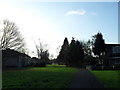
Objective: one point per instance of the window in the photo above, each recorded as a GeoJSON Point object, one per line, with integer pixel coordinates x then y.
{"type": "Point", "coordinates": [116, 49]}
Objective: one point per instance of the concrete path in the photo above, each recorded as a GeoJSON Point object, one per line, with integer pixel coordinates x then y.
{"type": "Point", "coordinates": [85, 79]}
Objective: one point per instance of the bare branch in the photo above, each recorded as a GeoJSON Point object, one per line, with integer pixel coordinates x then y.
{"type": "Point", "coordinates": [10, 36]}
{"type": "Point", "coordinates": [41, 50]}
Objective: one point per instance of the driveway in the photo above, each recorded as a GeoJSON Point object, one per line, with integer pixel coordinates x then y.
{"type": "Point", "coordinates": [85, 79]}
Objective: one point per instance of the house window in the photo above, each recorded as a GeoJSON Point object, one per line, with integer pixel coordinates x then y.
{"type": "Point", "coordinates": [116, 49]}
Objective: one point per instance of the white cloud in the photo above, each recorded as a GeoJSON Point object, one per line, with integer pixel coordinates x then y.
{"type": "Point", "coordinates": [76, 12]}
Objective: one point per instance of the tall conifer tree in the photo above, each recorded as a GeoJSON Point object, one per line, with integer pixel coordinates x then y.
{"type": "Point", "coordinates": [63, 55]}
{"type": "Point", "coordinates": [99, 45]}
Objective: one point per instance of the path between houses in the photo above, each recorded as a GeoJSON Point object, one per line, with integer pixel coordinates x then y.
{"type": "Point", "coordinates": [85, 79]}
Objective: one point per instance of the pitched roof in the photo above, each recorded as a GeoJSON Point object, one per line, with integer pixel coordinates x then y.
{"type": "Point", "coordinates": [11, 52]}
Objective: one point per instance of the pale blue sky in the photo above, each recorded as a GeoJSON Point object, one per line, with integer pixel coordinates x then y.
{"type": "Point", "coordinates": [53, 21]}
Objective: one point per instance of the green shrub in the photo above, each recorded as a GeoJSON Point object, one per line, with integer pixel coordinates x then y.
{"type": "Point", "coordinates": [42, 64]}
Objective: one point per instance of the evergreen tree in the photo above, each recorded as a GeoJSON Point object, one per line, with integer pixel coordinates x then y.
{"type": "Point", "coordinates": [99, 45]}
{"type": "Point", "coordinates": [76, 54]}
{"type": "Point", "coordinates": [71, 52]}
{"type": "Point", "coordinates": [71, 55]}
{"type": "Point", "coordinates": [63, 55]}
{"type": "Point", "coordinates": [87, 47]}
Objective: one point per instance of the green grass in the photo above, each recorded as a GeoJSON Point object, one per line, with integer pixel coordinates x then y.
{"type": "Point", "coordinates": [53, 76]}
{"type": "Point", "coordinates": [56, 65]}
{"type": "Point", "coordinates": [111, 79]}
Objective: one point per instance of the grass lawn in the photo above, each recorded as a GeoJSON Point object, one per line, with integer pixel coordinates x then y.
{"type": "Point", "coordinates": [111, 79]}
{"type": "Point", "coordinates": [39, 77]}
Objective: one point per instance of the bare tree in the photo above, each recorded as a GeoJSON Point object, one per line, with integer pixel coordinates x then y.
{"type": "Point", "coordinates": [10, 37]}
{"type": "Point", "coordinates": [58, 49]}
{"type": "Point", "coordinates": [42, 51]}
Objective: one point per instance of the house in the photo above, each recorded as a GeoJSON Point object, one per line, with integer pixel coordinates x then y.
{"type": "Point", "coordinates": [53, 61]}
{"type": "Point", "coordinates": [12, 58]}
{"type": "Point", "coordinates": [35, 60]}
{"type": "Point", "coordinates": [26, 60]}
{"type": "Point", "coordinates": [112, 55]}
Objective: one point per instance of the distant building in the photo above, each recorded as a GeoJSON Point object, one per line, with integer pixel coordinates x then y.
{"type": "Point", "coordinates": [54, 61]}
{"type": "Point", "coordinates": [35, 60]}
{"type": "Point", "coordinates": [12, 58]}
{"type": "Point", "coordinates": [112, 55]}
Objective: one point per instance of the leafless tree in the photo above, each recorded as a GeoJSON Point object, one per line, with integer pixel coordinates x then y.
{"type": "Point", "coordinates": [58, 49]}
{"type": "Point", "coordinates": [42, 51]}
{"type": "Point", "coordinates": [10, 37]}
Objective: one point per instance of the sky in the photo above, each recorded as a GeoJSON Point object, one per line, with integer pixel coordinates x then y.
{"type": "Point", "coordinates": [51, 22]}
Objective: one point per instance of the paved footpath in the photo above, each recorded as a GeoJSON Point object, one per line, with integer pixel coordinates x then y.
{"type": "Point", "coordinates": [85, 79]}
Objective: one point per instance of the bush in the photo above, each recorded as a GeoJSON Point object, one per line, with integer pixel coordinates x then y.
{"type": "Point", "coordinates": [42, 64]}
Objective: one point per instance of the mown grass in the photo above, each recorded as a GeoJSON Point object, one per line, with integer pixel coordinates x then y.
{"type": "Point", "coordinates": [110, 78]}
{"type": "Point", "coordinates": [39, 77]}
